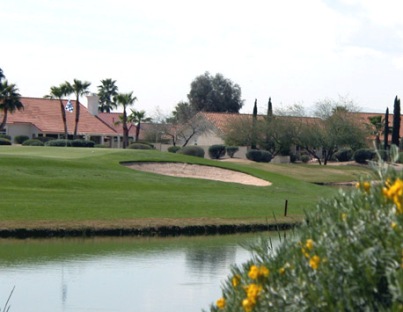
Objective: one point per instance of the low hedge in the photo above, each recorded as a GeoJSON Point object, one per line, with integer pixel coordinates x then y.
{"type": "Point", "coordinates": [231, 150]}
{"type": "Point", "coordinates": [344, 155]}
{"type": "Point", "coordinates": [259, 156]}
{"type": "Point", "coordinates": [19, 139]}
{"type": "Point", "coordinates": [33, 142]}
{"type": "Point", "coordinates": [82, 143]}
{"type": "Point", "coordinates": [58, 143]}
{"type": "Point", "coordinates": [5, 136]}
{"type": "Point", "coordinates": [192, 151]}
{"type": "Point", "coordinates": [4, 141]}
{"type": "Point", "coordinates": [173, 149]}
{"type": "Point", "coordinates": [140, 146]}
{"type": "Point", "coordinates": [362, 156]}
{"type": "Point", "coordinates": [216, 151]}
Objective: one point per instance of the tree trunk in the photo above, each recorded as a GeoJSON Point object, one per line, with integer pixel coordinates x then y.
{"type": "Point", "coordinates": [77, 118]}
{"type": "Point", "coordinates": [3, 123]}
{"type": "Point", "coordinates": [63, 111]}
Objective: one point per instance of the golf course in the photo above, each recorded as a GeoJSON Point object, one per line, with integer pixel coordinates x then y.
{"type": "Point", "coordinates": [53, 188]}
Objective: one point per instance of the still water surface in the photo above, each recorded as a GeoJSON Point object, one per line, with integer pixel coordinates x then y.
{"type": "Point", "coordinates": [119, 274]}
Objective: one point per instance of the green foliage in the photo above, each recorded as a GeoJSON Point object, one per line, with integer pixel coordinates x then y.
{"type": "Point", "coordinates": [82, 143]}
{"type": "Point", "coordinates": [192, 151]}
{"type": "Point", "coordinates": [5, 136]}
{"type": "Point", "coordinates": [19, 139]}
{"type": "Point", "coordinates": [400, 159]}
{"type": "Point", "coordinates": [345, 154]}
{"type": "Point", "coordinates": [231, 150]}
{"type": "Point", "coordinates": [33, 142]}
{"type": "Point", "coordinates": [173, 149]}
{"type": "Point", "coordinates": [363, 155]}
{"type": "Point", "coordinates": [346, 257]}
{"type": "Point", "coordinates": [305, 158]}
{"type": "Point", "coordinates": [58, 143]}
{"type": "Point", "coordinates": [5, 141]}
{"type": "Point", "coordinates": [259, 156]}
{"type": "Point", "coordinates": [216, 151]}
{"type": "Point", "coordinates": [142, 146]}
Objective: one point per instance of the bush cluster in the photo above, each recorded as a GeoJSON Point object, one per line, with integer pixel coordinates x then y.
{"type": "Point", "coordinates": [192, 151]}
{"type": "Point", "coordinates": [19, 139]}
{"type": "Point", "coordinates": [173, 149]}
{"type": "Point", "coordinates": [216, 151]}
{"type": "Point", "coordinates": [259, 155]}
{"type": "Point", "coordinates": [344, 155]}
{"type": "Point", "coordinates": [4, 141]}
{"type": "Point", "coordinates": [362, 156]}
{"type": "Point", "coordinates": [33, 142]}
{"type": "Point", "coordinates": [347, 256]}
{"type": "Point", "coordinates": [231, 150]}
{"type": "Point", "coordinates": [82, 143]}
{"type": "Point", "coordinates": [5, 136]}
{"type": "Point", "coordinates": [142, 146]}
{"type": "Point", "coordinates": [58, 143]}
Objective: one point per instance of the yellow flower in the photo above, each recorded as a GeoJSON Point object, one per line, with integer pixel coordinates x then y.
{"type": "Point", "coordinates": [263, 271]}
{"type": "Point", "coordinates": [314, 262]}
{"type": "Point", "coordinates": [281, 270]}
{"type": "Point", "coordinates": [365, 186]}
{"type": "Point", "coordinates": [394, 193]}
{"type": "Point", "coordinates": [236, 280]}
{"type": "Point", "coordinates": [221, 303]}
{"type": "Point", "coordinates": [247, 305]}
{"type": "Point", "coordinates": [393, 225]}
{"type": "Point", "coordinates": [309, 244]}
{"type": "Point", "coordinates": [252, 291]}
{"type": "Point", "coordinates": [344, 216]}
{"type": "Point", "coordinates": [253, 272]}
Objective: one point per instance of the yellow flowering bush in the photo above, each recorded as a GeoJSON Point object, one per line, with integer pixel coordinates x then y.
{"type": "Point", "coordinates": [347, 256]}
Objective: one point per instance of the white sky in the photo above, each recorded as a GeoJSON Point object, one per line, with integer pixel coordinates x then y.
{"type": "Point", "coordinates": [293, 51]}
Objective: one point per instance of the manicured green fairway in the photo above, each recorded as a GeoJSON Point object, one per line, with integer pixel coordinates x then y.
{"type": "Point", "coordinates": [77, 184]}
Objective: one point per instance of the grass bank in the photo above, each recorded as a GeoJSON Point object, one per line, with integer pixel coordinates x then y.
{"type": "Point", "coordinates": [48, 187]}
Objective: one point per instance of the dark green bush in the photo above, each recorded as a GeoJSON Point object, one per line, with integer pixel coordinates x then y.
{"type": "Point", "coordinates": [5, 141]}
{"type": "Point", "coordinates": [259, 156]}
{"type": "Point", "coordinates": [173, 149]}
{"type": "Point", "coordinates": [305, 158]}
{"type": "Point", "coordinates": [400, 159]}
{"type": "Point", "coordinates": [139, 146]}
{"type": "Point", "coordinates": [231, 150]}
{"type": "Point", "coordinates": [192, 151]}
{"type": "Point", "coordinates": [362, 156]}
{"type": "Point", "coordinates": [33, 142]}
{"type": "Point", "coordinates": [58, 143]}
{"type": "Point", "coordinates": [82, 143]}
{"type": "Point", "coordinates": [19, 139]}
{"type": "Point", "coordinates": [293, 158]}
{"type": "Point", "coordinates": [216, 151]}
{"type": "Point", "coordinates": [345, 154]}
{"type": "Point", "coordinates": [5, 136]}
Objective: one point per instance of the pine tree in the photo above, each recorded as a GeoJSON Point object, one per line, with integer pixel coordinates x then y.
{"type": "Point", "coordinates": [396, 122]}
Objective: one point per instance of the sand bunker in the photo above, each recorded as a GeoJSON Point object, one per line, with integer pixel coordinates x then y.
{"type": "Point", "coordinates": [198, 171]}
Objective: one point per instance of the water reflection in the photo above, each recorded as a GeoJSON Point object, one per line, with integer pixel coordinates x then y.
{"type": "Point", "coordinates": [118, 274]}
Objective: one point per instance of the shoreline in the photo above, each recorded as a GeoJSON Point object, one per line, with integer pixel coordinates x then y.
{"type": "Point", "coordinates": [161, 230]}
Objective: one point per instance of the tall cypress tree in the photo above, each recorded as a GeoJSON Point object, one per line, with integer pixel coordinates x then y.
{"type": "Point", "coordinates": [396, 122]}
{"type": "Point", "coordinates": [386, 131]}
{"type": "Point", "coordinates": [269, 108]}
{"type": "Point", "coordinates": [254, 120]}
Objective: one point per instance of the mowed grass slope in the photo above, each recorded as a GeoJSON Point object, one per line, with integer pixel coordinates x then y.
{"type": "Point", "coordinates": [78, 184]}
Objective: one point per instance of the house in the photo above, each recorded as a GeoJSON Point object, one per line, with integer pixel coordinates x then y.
{"type": "Point", "coordinates": [42, 118]}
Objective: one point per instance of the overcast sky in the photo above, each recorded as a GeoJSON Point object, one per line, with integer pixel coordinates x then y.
{"type": "Point", "coordinates": [293, 51]}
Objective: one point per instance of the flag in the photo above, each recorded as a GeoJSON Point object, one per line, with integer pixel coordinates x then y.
{"type": "Point", "coordinates": [69, 106]}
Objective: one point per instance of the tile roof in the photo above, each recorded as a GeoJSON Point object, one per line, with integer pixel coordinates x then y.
{"type": "Point", "coordinates": [45, 115]}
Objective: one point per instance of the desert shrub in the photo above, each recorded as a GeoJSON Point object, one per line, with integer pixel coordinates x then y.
{"type": "Point", "coordinates": [363, 155]}
{"type": "Point", "coordinates": [82, 143]}
{"type": "Point", "coordinates": [139, 146]}
{"type": "Point", "coordinates": [173, 149]}
{"type": "Point", "coordinates": [33, 142]}
{"type": "Point", "coordinates": [4, 141]}
{"type": "Point", "coordinates": [231, 150]}
{"type": "Point", "coordinates": [192, 151]}
{"type": "Point", "coordinates": [19, 139]}
{"type": "Point", "coordinates": [58, 143]}
{"type": "Point", "coordinates": [258, 155]}
{"type": "Point", "coordinates": [5, 136]}
{"type": "Point", "coordinates": [346, 256]}
{"type": "Point", "coordinates": [216, 151]}
{"type": "Point", "coordinates": [343, 155]}
{"type": "Point", "coordinates": [305, 158]}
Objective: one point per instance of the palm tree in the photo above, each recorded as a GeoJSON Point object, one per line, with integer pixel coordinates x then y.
{"type": "Point", "coordinates": [106, 92]}
{"type": "Point", "coordinates": [9, 100]}
{"type": "Point", "coordinates": [136, 118]}
{"type": "Point", "coordinates": [79, 88]}
{"type": "Point", "coordinates": [58, 93]}
{"type": "Point", "coordinates": [125, 99]}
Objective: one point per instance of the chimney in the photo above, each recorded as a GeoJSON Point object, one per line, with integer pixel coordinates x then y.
{"type": "Point", "coordinates": [92, 104]}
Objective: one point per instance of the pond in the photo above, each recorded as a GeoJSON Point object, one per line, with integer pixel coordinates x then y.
{"type": "Point", "coordinates": [119, 274]}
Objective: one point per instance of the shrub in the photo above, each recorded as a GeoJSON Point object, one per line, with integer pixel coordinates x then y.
{"type": "Point", "coordinates": [173, 149]}
{"type": "Point", "coordinates": [231, 150]}
{"type": "Point", "coordinates": [139, 146]}
{"type": "Point", "coordinates": [400, 159]}
{"type": "Point", "coordinates": [192, 151]}
{"type": "Point", "coordinates": [293, 158]}
{"type": "Point", "coordinates": [33, 142]}
{"type": "Point", "coordinates": [216, 151]}
{"type": "Point", "coordinates": [82, 143]}
{"type": "Point", "coordinates": [258, 155]}
{"type": "Point", "coordinates": [4, 141]}
{"type": "Point", "coordinates": [346, 256]}
{"type": "Point", "coordinates": [343, 155]}
{"type": "Point", "coordinates": [5, 136]}
{"type": "Point", "coordinates": [362, 156]}
{"type": "Point", "coordinates": [305, 158]}
{"type": "Point", "coordinates": [19, 139]}
{"type": "Point", "coordinates": [58, 143]}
